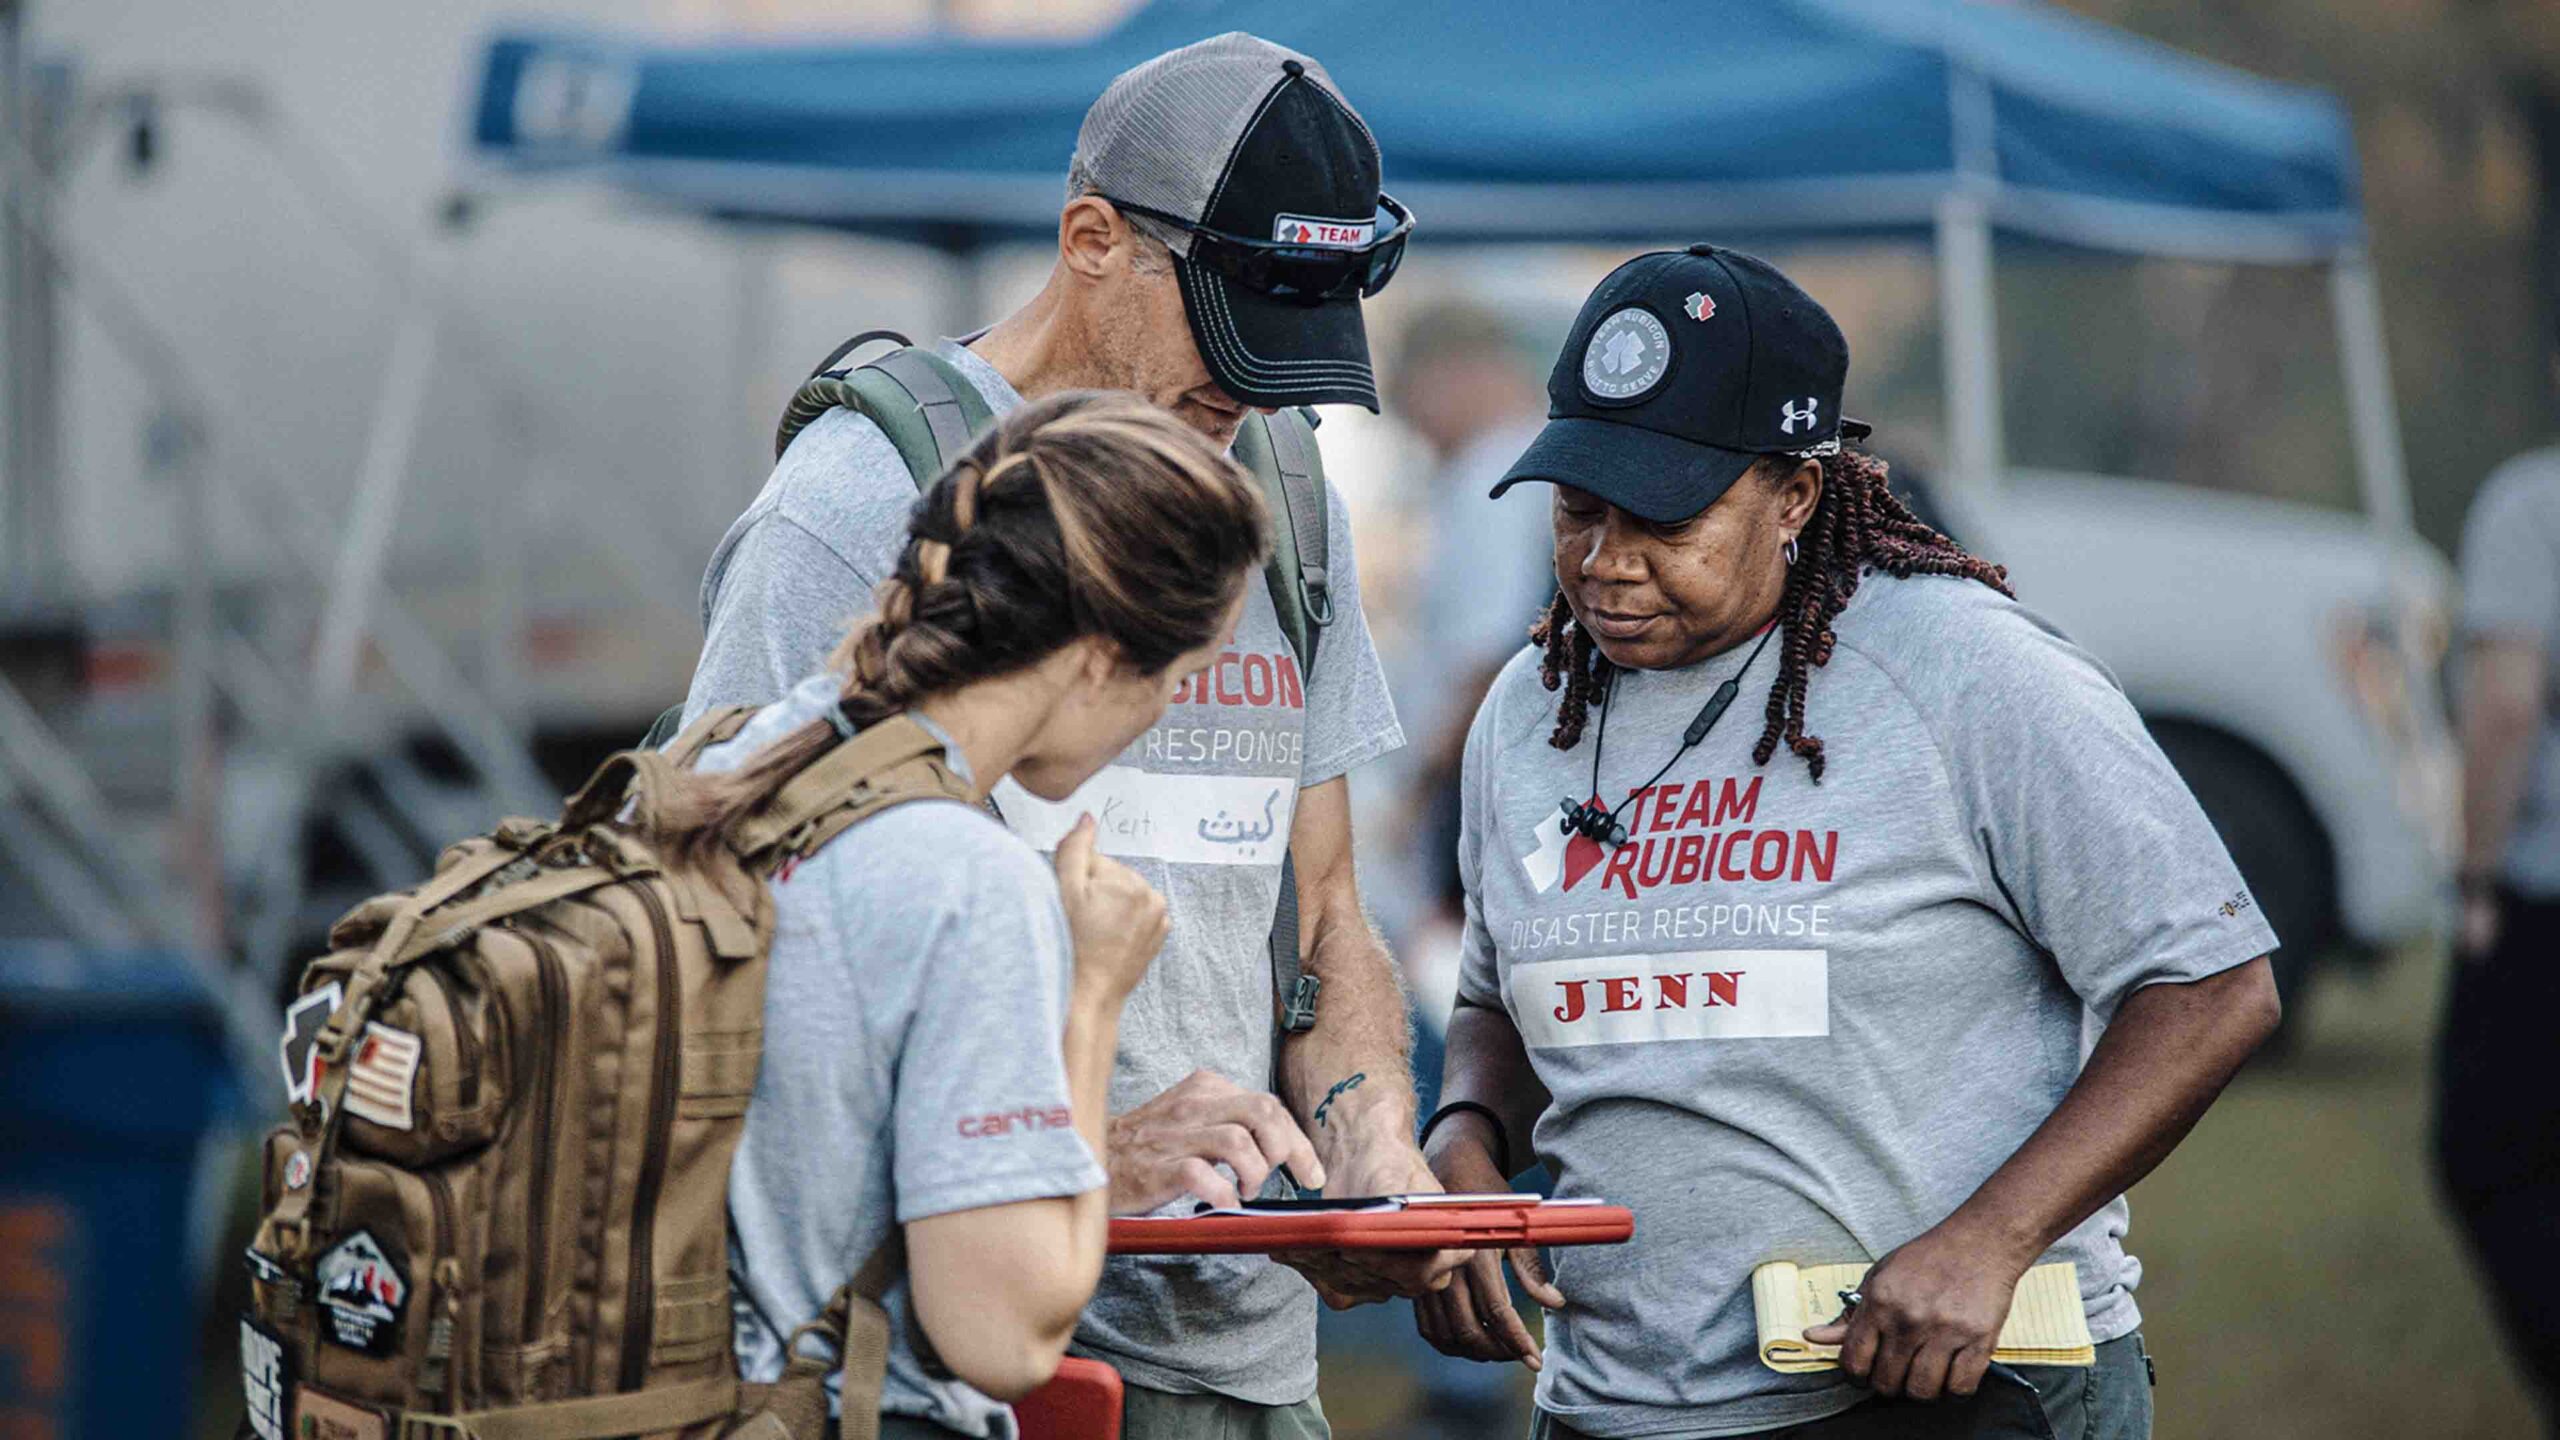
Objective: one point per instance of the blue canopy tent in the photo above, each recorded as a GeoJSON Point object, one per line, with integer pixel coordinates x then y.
{"type": "Point", "coordinates": [1645, 120]}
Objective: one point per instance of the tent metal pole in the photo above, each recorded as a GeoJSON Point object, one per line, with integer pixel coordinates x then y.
{"type": "Point", "coordinates": [32, 560]}
{"type": "Point", "coordinates": [177, 459]}
{"type": "Point", "coordinates": [1969, 343]}
{"type": "Point", "coordinates": [399, 408]}
{"type": "Point", "coordinates": [2373, 419]}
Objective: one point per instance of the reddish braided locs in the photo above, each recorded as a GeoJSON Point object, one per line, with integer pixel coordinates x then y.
{"type": "Point", "coordinates": [1859, 525]}
{"type": "Point", "coordinates": [1567, 652]}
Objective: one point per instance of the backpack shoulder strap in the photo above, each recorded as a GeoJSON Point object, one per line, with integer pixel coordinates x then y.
{"type": "Point", "coordinates": [718, 724]}
{"type": "Point", "coordinates": [889, 764]}
{"type": "Point", "coordinates": [1280, 451]}
{"type": "Point", "coordinates": [856, 1327]}
{"type": "Point", "coordinates": [928, 410]}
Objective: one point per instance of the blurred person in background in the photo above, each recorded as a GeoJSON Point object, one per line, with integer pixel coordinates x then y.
{"type": "Point", "coordinates": [2498, 1110]}
{"type": "Point", "coordinates": [1466, 382]}
{"type": "Point", "coordinates": [929, 973]}
{"type": "Point", "coordinates": [1171, 281]}
{"type": "Point", "coordinates": [1827, 1010]}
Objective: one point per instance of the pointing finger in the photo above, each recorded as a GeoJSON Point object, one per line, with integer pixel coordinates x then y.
{"type": "Point", "coordinates": [1075, 855]}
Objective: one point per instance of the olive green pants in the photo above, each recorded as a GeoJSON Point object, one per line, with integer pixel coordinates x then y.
{"type": "Point", "coordinates": [1157, 1415]}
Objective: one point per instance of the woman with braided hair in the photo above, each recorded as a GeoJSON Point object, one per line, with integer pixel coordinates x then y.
{"type": "Point", "coordinates": [1811, 991]}
{"type": "Point", "coordinates": [942, 1006]}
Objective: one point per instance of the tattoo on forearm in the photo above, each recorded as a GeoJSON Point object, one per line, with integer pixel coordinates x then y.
{"type": "Point", "coordinates": [1336, 1093]}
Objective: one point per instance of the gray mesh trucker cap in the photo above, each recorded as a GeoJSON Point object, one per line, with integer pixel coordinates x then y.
{"type": "Point", "coordinates": [1239, 135]}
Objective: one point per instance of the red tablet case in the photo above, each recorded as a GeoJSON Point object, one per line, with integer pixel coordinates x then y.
{"type": "Point", "coordinates": [1419, 1222]}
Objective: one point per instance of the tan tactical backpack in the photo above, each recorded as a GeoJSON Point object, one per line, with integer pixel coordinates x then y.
{"type": "Point", "coordinates": [500, 1210]}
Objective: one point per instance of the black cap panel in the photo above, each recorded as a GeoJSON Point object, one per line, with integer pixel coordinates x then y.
{"type": "Point", "coordinates": [1682, 368]}
{"type": "Point", "coordinates": [1305, 170]}
{"type": "Point", "coordinates": [1304, 159]}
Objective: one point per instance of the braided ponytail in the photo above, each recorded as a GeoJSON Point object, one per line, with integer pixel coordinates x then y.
{"type": "Point", "coordinates": [1081, 514]}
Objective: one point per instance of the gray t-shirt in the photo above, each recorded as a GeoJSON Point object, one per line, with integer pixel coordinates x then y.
{"type": "Point", "coordinates": [1200, 806]}
{"type": "Point", "coordinates": [2511, 586]}
{"type": "Point", "coordinates": [914, 1010]}
{"type": "Point", "coordinates": [1799, 1021]}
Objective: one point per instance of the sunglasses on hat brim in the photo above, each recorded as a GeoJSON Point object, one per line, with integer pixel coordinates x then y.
{"type": "Point", "coordinates": [1306, 274]}
{"type": "Point", "coordinates": [1851, 432]}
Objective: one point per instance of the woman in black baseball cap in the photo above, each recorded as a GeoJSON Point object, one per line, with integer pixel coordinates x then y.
{"type": "Point", "coordinates": [1825, 1010]}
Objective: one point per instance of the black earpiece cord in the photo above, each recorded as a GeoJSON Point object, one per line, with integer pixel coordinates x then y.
{"type": "Point", "coordinates": [1586, 817]}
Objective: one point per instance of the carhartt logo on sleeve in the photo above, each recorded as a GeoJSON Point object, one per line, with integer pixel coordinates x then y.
{"type": "Point", "coordinates": [1700, 995]}
{"type": "Point", "coordinates": [1006, 1122]}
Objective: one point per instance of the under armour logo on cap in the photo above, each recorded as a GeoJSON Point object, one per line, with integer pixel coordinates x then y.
{"type": "Point", "coordinates": [1795, 417]}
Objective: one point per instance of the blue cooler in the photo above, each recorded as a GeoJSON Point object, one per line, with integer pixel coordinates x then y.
{"type": "Point", "coordinates": [113, 1069]}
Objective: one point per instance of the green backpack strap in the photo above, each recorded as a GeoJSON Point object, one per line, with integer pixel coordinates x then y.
{"type": "Point", "coordinates": [1280, 451]}
{"type": "Point", "coordinates": [928, 410]}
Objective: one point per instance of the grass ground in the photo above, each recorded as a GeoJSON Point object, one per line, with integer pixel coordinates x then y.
{"type": "Point", "coordinates": [2299, 1277]}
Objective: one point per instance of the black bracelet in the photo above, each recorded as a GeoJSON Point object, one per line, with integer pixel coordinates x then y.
{"type": "Point", "coordinates": [1501, 1139]}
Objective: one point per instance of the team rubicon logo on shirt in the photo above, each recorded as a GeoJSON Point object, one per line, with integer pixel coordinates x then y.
{"type": "Point", "coordinates": [1681, 834]}
{"type": "Point", "coordinates": [1247, 678]}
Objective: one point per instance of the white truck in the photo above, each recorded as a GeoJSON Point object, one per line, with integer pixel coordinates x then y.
{"type": "Point", "coordinates": [2286, 658]}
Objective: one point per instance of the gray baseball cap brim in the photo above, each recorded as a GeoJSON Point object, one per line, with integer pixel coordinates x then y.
{"type": "Point", "coordinates": [1644, 472]}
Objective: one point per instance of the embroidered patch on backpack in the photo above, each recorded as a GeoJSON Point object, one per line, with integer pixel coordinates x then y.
{"type": "Point", "coordinates": [363, 1292]}
{"type": "Point", "coordinates": [266, 1379]}
{"type": "Point", "coordinates": [384, 1076]}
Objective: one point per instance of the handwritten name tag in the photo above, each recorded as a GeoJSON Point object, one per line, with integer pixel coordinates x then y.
{"type": "Point", "coordinates": [1179, 819]}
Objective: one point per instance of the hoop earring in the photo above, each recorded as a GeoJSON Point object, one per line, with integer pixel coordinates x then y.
{"type": "Point", "coordinates": [1791, 552]}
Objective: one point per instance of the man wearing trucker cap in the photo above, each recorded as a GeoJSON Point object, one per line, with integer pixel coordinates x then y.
{"type": "Point", "coordinates": [1224, 219]}
{"type": "Point", "coordinates": [1796, 856]}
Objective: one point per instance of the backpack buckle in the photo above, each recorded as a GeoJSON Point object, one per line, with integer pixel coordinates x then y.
{"type": "Point", "coordinates": [1298, 1013]}
{"type": "Point", "coordinates": [1317, 595]}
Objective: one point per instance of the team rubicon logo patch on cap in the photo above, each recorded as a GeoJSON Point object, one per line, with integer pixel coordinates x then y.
{"type": "Point", "coordinates": [1627, 355]}
{"type": "Point", "coordinates": [1323, 233]}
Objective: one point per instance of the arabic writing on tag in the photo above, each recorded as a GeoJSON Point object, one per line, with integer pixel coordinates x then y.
{"type": "Point", "coordinates": [1219, 830]}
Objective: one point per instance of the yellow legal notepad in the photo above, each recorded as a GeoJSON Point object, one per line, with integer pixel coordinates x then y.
{"type": "Point", "coordinates": [2046, 1325]}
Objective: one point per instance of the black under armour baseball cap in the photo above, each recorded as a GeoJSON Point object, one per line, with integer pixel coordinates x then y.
{"type": "Point", "coordinates": [1268, 182]}
{"type": "Point", "coordinates": [1683, 368]}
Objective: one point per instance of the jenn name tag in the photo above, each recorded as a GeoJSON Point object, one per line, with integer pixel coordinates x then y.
{"type": "Point", "coordinates": [1699, 995]}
